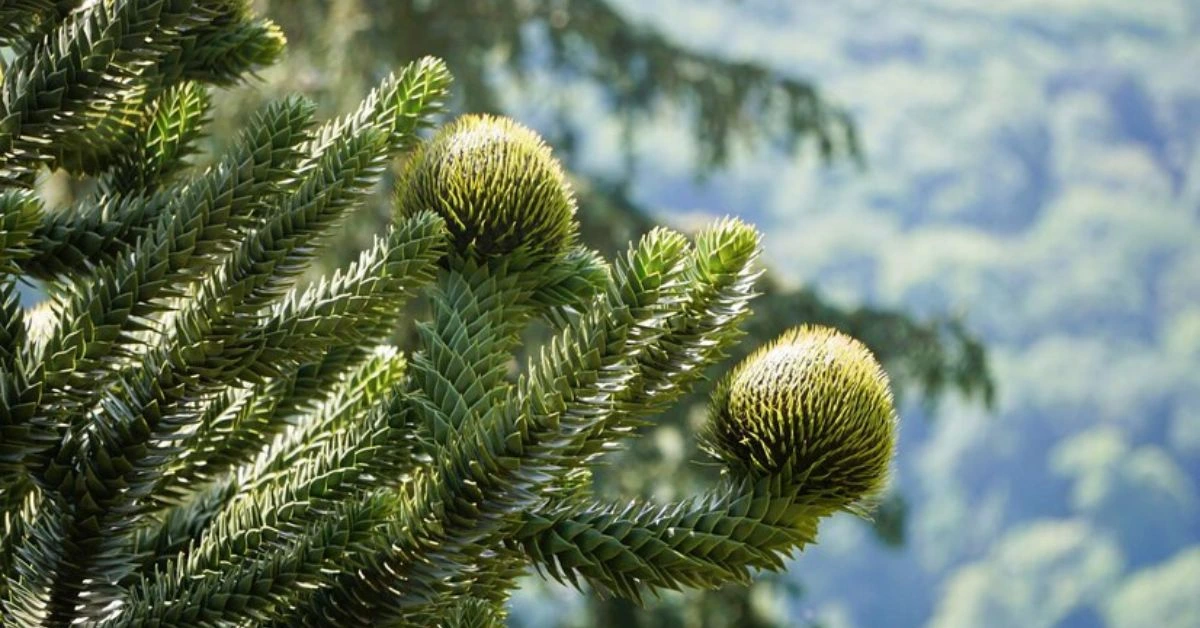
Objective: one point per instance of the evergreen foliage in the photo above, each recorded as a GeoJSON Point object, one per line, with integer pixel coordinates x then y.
{"type": "Point", "coordinates": [192, 437]}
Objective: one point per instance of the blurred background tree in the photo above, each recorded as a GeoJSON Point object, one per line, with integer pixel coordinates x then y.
{"type": "Point", "coordinates": [498, 51]}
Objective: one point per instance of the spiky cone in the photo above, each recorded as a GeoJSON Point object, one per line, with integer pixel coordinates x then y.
{"type": "Point", "coordinates": [498, 187]}
{"type": "Point", "coordinates": [813, 407]}
{"type": "Point", "coordinates": [510, 216]}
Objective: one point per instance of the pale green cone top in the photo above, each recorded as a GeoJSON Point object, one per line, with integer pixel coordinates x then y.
{"type": "Point", "coordinates": [496, 184]}
{"type": "Point", "coordinates": [815, 406]}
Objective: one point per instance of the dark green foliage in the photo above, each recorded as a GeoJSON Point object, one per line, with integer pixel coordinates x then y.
{"type": "Point", "coordinates": [172, 124]}
{"type": "Point", "coordinates": [99, 230]}
{"type": "Point", "coordinates": [639, 71]}
{"type": "Point", "coordinates": [20, 216]}
{"type": "Point", "coordinates": [192, 437]}
{"type": "Point", "coordinates": [702, 542]}
{"type": "Point", "coordinates": [20, 19]}
{"type": "Point", "coordinates": [75, 98]}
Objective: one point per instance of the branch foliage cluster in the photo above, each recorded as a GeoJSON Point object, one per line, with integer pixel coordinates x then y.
{"type": "Point", "coordinates": [192, 437]}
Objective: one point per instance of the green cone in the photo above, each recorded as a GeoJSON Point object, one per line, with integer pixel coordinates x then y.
{"type": "Point", "coordinates": [814, 406]}
{"type": "Point", "coordinates": [496, 184]}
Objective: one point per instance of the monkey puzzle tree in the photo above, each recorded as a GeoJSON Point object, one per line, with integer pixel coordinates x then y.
{"type": "Point", "coordinates": [191, 437]}
{"type": "Point", "coordinates": [496, 49]}
{"type": "Point", "coordinates": [500, 52]}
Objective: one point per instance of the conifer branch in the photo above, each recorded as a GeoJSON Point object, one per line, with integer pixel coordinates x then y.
{"type": "Point", "coordinates": [170, 532]}
{"type": "Point", "coordinates": [719, 284]}
{"type": "Point", "coordinates": [24, 431]}
{"type": "Point", "coordinates": [222, 51]}
{"type": "Point", "coordinates": [22, 20]}
{"type": "Point", "coordinates": [273, 501]}
{"type": "Point", "coordinates": [477, 315]}
{"type": "Point", "coordinates": [191, 438]}
{"type": "Point", "coordinates": [97, 316]}
{"type": "Point", "coordinates": [474, 612]}
{"type": "Point", "coordinates": [82, 88]}
{"type": "Point", "coordinates": [136, 426]}
{"type": "Point", "coordinates": [702, 542]}
{"type": "Point", "coordinates": [36, 547]}
{"type": "Point", "coordinates": [339, 172]}
{"type": "Point", "coordinates": [84, 67]}
{"type": "Point", "coordinates": [496, 469]}
{"type": "Point", "coordinates": [20, 216]}
{"type": "Point", "coordinates": [366, 386]}
{"type": "Point", "coordinates": [261, 587]}
{"type": "Point", "coordinates": [148, 415]}
{"type": "Point", "coordinates": [286, 415]}
{"type": "Point", "coordinates": [260, 165]}
{"type": "Point", "coordinates": [400, 105]}
{"type": "Point", "coordinates": [170, 127]}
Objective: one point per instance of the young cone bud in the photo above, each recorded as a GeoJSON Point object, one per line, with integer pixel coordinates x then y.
{"type": "Point", "coordinates": [814, 406]}
{"type": "Point", "coordinates": [496, 184]}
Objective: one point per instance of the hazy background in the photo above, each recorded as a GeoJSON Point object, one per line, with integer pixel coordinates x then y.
{"type": "Point", "coordinates": [1028, 168]}
{"type": "Point", "coordinates": [1035, 166]}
